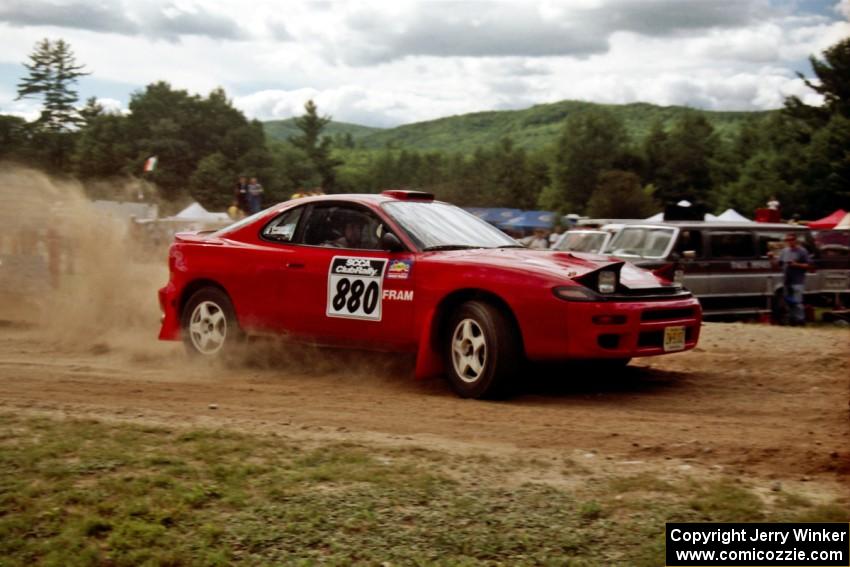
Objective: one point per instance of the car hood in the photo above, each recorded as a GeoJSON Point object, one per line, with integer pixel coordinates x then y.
{"type": "Point", "coordinates": [552, 264]}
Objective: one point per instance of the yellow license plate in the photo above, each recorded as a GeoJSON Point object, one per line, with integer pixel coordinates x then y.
{"type": "Point", "coordinates": [674, 339]}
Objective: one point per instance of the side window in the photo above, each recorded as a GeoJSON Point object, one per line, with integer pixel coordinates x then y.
{"type": "Point", "coordinates": [774, 241]}
{"type": "Point", "coordinates": [690, 240]}
{"type": "Point", "coordinates": [732, 244]}
{"type": "Point", "coordinates": [769, 243]}
{"type": "Point", "coordinates": [282, 228]}
{"type": "Point", "coordinates": [340, 226]}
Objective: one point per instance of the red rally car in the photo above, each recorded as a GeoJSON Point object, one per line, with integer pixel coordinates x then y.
{"type": "Point", "coordinates": [400, 271]}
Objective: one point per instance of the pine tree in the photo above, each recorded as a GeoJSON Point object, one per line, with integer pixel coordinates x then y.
{"type": "Point", "coordinates": [316, 146]}
{"type": "Point", "coordinates": [52, 71]}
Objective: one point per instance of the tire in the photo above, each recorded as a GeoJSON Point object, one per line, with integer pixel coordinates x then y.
{"type": "Point", "coordinates": [208, 323]}
{"type": "Point", "coordinates": [482, 351]}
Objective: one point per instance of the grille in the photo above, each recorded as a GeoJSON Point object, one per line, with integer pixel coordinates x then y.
{"type": "Point", "coordinates": [667, 314]}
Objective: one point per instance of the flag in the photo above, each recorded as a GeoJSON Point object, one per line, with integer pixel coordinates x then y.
{"type": "Point", "coordinates": [150, 163]}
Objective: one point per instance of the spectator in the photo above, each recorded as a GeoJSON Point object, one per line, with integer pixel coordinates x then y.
{"type": "Point", "coordinates": [795, 261]}
{"type": "Point", "coordinates": [556, 234]}
{"type": "Point", "coordinates": [773, 203]}
{"type": "Point", "coordinates": [240, 195]}
{"type": "Point", "coordinates": [255, 196]}
{"type": "Point", "coordinates": [539, 240]}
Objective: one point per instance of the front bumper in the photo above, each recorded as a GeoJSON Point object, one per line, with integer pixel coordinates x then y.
{"type": "Point", "coordinates": [641, 332]}
{"type": "Point", "coordinates": [610, 329]}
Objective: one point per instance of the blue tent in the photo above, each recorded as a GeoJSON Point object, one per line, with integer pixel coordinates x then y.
{"type": "Point", "coordinates": [497, 216]}
{"type": "Point", "coordinates": [531, 220]}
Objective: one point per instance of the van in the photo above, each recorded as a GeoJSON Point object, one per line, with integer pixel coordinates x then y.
{"type": "Point", "coordinates": [727, 265]}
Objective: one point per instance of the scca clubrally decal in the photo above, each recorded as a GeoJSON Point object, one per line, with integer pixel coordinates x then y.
{"type": "Point", "coordinates": [355, 287]}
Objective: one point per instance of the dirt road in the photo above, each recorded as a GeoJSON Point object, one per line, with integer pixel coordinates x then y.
{"type": "Point", "coordinates": [752, 400]}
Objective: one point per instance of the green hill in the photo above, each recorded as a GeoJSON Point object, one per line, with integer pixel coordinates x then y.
{"type": "Point", "coordinates": [282, 130]}
{"type": "Point", "coordinates": [531, 128]}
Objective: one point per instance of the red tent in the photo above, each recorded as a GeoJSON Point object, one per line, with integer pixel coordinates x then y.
{"type": "Point", "coordinates": [829, 221]}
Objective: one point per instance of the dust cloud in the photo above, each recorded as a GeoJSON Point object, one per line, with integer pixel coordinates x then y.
{"type": "Point", "coordinates": [69, 268]}
{"type": "Point", "coordinates": [86, 282]}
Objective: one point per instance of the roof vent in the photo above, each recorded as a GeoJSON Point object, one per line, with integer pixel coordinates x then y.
{"type": "Point", "coordinates": [405, 195]}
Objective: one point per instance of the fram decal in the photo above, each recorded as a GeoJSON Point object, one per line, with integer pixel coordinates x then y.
{"type": "Point", "coordinates": [399, 269]}
{"type": "Point", "coordinates": [399, 294]}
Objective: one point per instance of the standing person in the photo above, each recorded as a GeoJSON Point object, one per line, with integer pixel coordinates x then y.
{"type": "Point", "coordinates": [240, 195]}
{"type": "Point", "coordinates": [556, 234]}
{"type": "Point", "coordinates": [539, 240]}
{"type": "Point", "coordinates": [795, 261]}
{"type": "Point", "coordinates": [255, 196]}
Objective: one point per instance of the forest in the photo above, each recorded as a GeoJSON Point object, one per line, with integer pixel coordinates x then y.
{"type": "Point", "coordinates": [621, 161]}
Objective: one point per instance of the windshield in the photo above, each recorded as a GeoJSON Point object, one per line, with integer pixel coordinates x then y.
{"type": "Point", "coordinates": [434, 226]}
{"type": "Point", "coordinates": [641, 242]}
{"type": "Point", "coordinates": [580, 241]}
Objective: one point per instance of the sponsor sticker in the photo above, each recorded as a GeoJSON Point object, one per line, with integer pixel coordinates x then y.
{"type": "Point", "coordinates": [398, 294]}
{"type": "Point", "coordinates": [399, 269]}
{"type": "Point", "coordinates": [355, 288]}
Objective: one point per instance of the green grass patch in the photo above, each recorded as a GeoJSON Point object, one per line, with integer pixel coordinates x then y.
{"type": "Point", "coordinates": [87, 493]}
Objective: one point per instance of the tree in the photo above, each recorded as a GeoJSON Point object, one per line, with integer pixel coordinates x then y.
{"type": "Point", "coordinates": [687, 151]}
{"type": "Point", "coordinates": [592, 142]}
{"type": "Point", "coordinates": [821, 135]}
{"type": "Point", "coordinates": [13, 136]}
{"type": "Point", "coordinates": [618, 194]}
{"type": "Point", "coordinates": [52, 72]}
{"type": "Point", "coordinates": [103, 148]}
{"type": "Point", "coordinates": [91, 110]}
{"type": "Point", "coordinates": [833, 85]}
{"type": "Point", "coordinates": [316, 146]}
{"type": "Point", "coordinates": [183, 130]}
{"type": "Point", "coordinates": [211, 182]}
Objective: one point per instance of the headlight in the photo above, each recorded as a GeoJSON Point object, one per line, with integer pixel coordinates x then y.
{"type": "Point", "coordinates": [607, 282]}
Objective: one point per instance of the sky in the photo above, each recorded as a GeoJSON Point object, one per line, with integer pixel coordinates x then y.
{"type": "Point", "coordinates": [386, 63]}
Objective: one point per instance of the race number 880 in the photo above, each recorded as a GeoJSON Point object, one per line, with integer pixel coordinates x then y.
{"type": "Point", "coordinates": [352, 295]}
{"type": "Point", "coordinates": [354, 287]}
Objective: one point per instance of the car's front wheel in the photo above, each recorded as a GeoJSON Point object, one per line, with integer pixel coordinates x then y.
{"type": "Point", "coordinates": [482, 351]}
{"type": "Point", "coordinates": [209, 323]}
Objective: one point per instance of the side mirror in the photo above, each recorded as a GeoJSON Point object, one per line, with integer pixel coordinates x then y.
{"type": "Point", "coordinates": [391, 243]}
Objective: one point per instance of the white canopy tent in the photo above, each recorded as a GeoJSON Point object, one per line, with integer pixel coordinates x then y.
{"type": "Point", "coordinates": [731, 215]}
{"type": "Point", "coordinates": [197, 213]}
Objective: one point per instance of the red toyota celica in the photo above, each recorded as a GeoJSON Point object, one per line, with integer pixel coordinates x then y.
{"type": "Point", "coordinates": [400, 271]}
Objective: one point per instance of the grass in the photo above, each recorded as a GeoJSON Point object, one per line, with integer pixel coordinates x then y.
{"type": "Point", "coordinates": [87, 493]}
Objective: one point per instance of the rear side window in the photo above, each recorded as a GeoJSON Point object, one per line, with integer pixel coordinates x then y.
{"type": "Point", "coordinates": [732, 244]}
{"type": "Point", "coordinates": [689, 240]}
{"type": "Point", "coordinates": [282, 228]}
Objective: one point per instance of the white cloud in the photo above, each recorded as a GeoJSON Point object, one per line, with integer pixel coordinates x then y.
{"type": "Point", "coordinates": [112, 106]}
{"type": "Point", "coordinates": [385, 63]}
{"type": "Point", "coordinates": [165, 20]}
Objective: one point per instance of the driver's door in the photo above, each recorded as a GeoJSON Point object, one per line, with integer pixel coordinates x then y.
{"type": "Point", "coordinates": [347, 295]}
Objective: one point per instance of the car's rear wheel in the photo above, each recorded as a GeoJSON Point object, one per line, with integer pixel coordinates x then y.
{"type": "Point", "coordinates": [482, 351]}
{"type": "Point", "coordinates": [209, 323]}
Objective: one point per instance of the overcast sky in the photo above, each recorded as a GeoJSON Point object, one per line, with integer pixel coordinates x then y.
{"type": "Point", "coordinates": [394, 62]}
